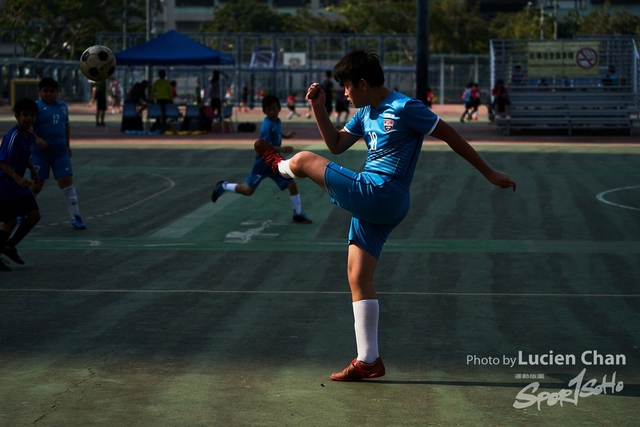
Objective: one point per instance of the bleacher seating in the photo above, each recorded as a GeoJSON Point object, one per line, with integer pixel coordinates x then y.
{"type": "Point", "coordinates": [584, 84]}
{"type": "Point", "coordinates": [569, 110]}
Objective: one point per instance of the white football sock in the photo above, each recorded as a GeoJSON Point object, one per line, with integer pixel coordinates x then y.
{"type": "Point", "coordinates": [227, 186]}
{"type": "Point", "coordinates": [285, 170]}
{"type": "Point", "coordinates": [365, 314]}
{"type": "Point", "coordinates": [71, 200]}
{"type": "Point", "coordinates": [296, 203]}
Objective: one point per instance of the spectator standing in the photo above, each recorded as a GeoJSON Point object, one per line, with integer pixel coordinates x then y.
{"type": "Point", "coordinates": [115, 90]}
{"type": "Point", "coordinates": [162, 93]}
{"type": "Point", "coordinates": [327, 87]}
{"type": "Point", "coordinates": [215, 93]}
{"type": "Point", "coordinates": [138, 95]}
{"type": "Point", "coordinates": [99, 97]}
{"type": "Point", "coordinates": [500, 99]}
{"type": "Point", "coordinates": [244, 106]}
{"type": "Point", "coordinates": [197, 95]}
{"type": "Point", "coordinates": [342, 106]}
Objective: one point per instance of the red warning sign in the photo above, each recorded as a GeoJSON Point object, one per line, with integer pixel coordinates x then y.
{"type": "Point", "coordinates": [587, 58]}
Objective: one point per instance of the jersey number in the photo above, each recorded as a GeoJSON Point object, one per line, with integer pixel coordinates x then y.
{"type": "Point", "coordinates": [373, 141]}
{"type": "Point", "coordinates": [56, 117]}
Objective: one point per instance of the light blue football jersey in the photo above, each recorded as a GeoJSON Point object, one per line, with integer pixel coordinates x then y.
{"type": "Point", "coordinates": [51, 124]}
{"type": "Point", "coordinates": [394, 133]}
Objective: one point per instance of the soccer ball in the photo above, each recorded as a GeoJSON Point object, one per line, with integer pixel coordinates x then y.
{"type": "Point", "coordinates": [97, 63]}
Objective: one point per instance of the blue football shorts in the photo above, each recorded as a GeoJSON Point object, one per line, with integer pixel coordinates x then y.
{"type": "Point", "coordinates": [260, 172]}
{"type": "Point", "coordinates": [377, 205]}
{"type": "Point", "coordinates": [57, 160]}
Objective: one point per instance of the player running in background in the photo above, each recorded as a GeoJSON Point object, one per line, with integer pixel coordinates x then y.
{"type": "Point", "coordinates": [271, 131]}
{"type": "Point", "coordinates": [392, 126]}
{"type": "Point", "coordinates": [291, 105]}
{"type": "Point", "coordinates": [16, 199]}
{"type": "Point", "coordinates": [52, 125]}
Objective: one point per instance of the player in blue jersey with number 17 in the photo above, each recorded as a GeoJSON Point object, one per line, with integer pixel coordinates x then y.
{"type": "Point", "coordinates": [392, 126]}
{"type": "Point", "coordinates": [52, 125]}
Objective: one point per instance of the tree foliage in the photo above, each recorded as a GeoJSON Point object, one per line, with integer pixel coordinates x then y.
{"type": "Point", "coordinates": [457, 27]}
{"type": "Point", "coordinates": [607, 21]}
{"type": "Point", "coordinates": [61, 28]}
{"type": "Point", "coordinates": [377, 16]}
{"type": "Point", "coordinates": [305, 21]}
{"type": "Point", "coordinates": [245, 16]}
{"type": "Point", "coordinates": [520, 25]}
{"type": "Point", "coordinates": [64, 28]}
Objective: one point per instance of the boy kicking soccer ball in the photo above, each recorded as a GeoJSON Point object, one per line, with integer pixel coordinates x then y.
{"type": "Point", "coordinates": [16, 198]}
{"type": "Point", "coordinates": [392, 126]}
{"type": "Point", "coordinates": [271, 131]}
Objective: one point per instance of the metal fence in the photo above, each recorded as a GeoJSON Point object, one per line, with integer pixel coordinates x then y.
{"type": "Point", "coordinates": [285, 63]}
{"type": "Point", "coordinates": [582, 63]}
{"type": "Point", "coordinates": [272, 63]}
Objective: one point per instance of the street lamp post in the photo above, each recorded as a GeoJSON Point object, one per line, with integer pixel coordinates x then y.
{"type": "Point", "coordinates": [541, 19]}
{"type": "Point", "coordinates": [422, 50]}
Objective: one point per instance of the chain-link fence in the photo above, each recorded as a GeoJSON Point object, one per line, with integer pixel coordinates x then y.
{"type": "Point", "coordinates": [271, 63]}
{"type": "Point", "coordinates": [289, 63]}
{"type": "Point", "coordinates": [583, 63]}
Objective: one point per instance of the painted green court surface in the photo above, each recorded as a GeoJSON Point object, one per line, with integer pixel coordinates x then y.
{"type": "Point", "coordinates": [173, 311]}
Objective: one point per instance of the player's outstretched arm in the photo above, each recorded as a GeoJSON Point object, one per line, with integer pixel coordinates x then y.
{"type": "Point", "coordinates": [446, 133]}
{"type": "Point", "coordinates": [337, 141]}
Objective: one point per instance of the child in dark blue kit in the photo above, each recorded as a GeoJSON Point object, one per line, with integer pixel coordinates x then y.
{"type": "Point", "coordinates": [16, 198]}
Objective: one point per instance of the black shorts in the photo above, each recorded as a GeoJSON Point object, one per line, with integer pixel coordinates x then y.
{"type": "Point", "coordinates": [10, 209]}
{"type": "Point", "coordinates": [101, 103]}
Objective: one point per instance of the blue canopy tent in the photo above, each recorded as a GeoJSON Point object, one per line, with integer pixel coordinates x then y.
{"type": "Point", "coordinates": [172, 48]}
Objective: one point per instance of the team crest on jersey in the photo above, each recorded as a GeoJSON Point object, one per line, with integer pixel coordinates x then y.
{"type": "Point", "coordinates": [387, 124]}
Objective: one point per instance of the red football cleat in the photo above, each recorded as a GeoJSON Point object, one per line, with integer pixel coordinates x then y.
{"type": "Point", "coordinates": [358, 370]}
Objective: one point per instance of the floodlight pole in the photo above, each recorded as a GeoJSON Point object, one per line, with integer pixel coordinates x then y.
{"type": "Point", "coordinates": [541, 19]}
{"type": "Point", "coordinates": [555, 21]}
{"type": "Point", "coordinates": [124, 24]}
{"type": "Point", "coordinates": [148, 20]}
{"type": "Point", "coordinates": [147, 68]}
{"type": "Point", "coordinates": [422, 50]}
